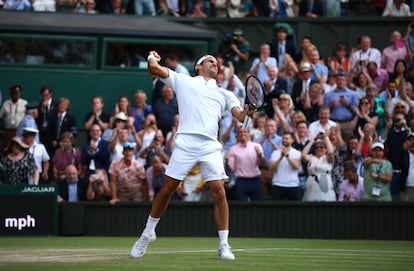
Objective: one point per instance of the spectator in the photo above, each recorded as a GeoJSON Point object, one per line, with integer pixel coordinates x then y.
{"type": "Point", "coordinates": [289, 72]}
{"type": "Point", "coordinates": [407, 174]}
{"type": "Point", "coordinates": [403, 99]}
{"type": "Point", "coordinates": [123, 105]}
{"type": "Point", "coordinates": [319, 184]}
{"type": "Point", "coordinates": [29, 120]}
{"type": "Point", "coordinates": [60, 122]}
{"type": "Point", "coordinates": [170, 139]}
{"type": "Point", "coordinates": [270, 141]}
{"type": "Point", "coordinates": [285, 163]}
{"type": "Point", "coordinates": [156, 148]}
{"type": "Point", "coordinates": [263, 7]}
{"type": "Point", "coordinates": [377, 175]}
{"type": "Point", "coordinates": [39, 153]}
{"type": "Point", "coordinates": [283, 109]}
{"type": "Point", "coordinates": [12, 112]}
{"type": "Point", "coordinates": [66, 155]}
{"type": "Point", "coordinates": [17, 164]}
{"type": "Point", "coordinates": [396, 8]}
{"type": "Point", "coordinates": [193, 187]}
{"type": "Point", "coordinates": [274, 87]}
{"type": "Point", "coordinates": [117, 143]}
{"type": "Point", "coordinates": [319, 70]}
{"type": "Point", "coordinates": [301, 86]}
{"type": "Point", "coordinates": [140, 110]}
{"type": "Point", "coordinates": [352, 188]}
{"type": "Point", "coordinates": [362, 80]}
{"type": "Point", "coordinates": [72, 188]}
{"type": "Point", "coordinates": [165, 109]}
{"type": "Point", "coordinates": [366, 8]}
{"type": "Point", "coordinates": [311, 8]}
{"type": "Point", "coordinates": [87, 8]}
{"type": "Point", "coordinates": [396, 50]}
{"type": "Point", "coordinates": [313, 102]}
{"type": "Point", "coordinates": [240, 51]}
{"type": "Point", "coordinates": [97, 115]}
{"type": "Point", "coordinates": [399, 74]}
{"type": "Point", "coordinates": [259, 125]}
{"type": "Point", "coordinates": [44, 5]}
{"type": "Point", "coordinates": [305, 42]}
{"type": "Point", "coordinates": [339, 147]}
{"type": "Point", "coordinates": [244, 159]}
{"type": "Point", "coordinates": [95, 152]}
{"type": "Point", "coordinates": [379, 76]}
{"type": "Point", "coordinates": [367, 136]}
{"type": "Point", "coordinates": [114, 7]}
{"type": "Point", "coordinates": [155, 175]}
{"type": "Point", "coordinates": [364, 114]}
{"type": "Point", "coordinates": [360, 57]}
{"type": "Point", "coordinates": [228, 131]}
{"type": "Point", "coordinates": [339, 62]}
{"type": "Point", "coordinates": [47, 106]}
{"type": "Point", "coordinates": [226, 9]}
{"type": "Point", "coordinates": [127, 178]}
{"type": "Point", "coordinates": [261, 65]}
{"type": "Point", "coordinates": [147, 134]}
{"type": "Point", "coordinates": [330, 84]}
{"type": "Point", "coordinates": [378, 106]}
{"type": "Point", "coordinates": [342, 103]}
{"type": "Point", "coordinates": [67, 6]}
{"type": "Point", "coordinates": [172, 62]}
{"type": "Point", "coordinates": [98, 186]}
{"type": "Point", "coordinates": [323, 124]}
{"type": "Point", "coordinates": [395, 135]}
{"type": "Point", "coordinates": [25, 5]}
{"type": "Point", "coordinates": [301, 140]}
{"type": "Point", "coordinates": [198, 11]}
{"type": "Point", "coordinates": [282, 46]}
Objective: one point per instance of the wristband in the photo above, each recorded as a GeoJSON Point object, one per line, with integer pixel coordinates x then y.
{"type": "Point", "coordinates": [151, 57]}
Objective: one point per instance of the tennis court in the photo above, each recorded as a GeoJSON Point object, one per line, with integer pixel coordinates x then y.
{"type": "Point", "coordinates": [177, 254]}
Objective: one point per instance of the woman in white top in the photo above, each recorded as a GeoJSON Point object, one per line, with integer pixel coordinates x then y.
{"type": "Point", "coordinates": [319, 185]}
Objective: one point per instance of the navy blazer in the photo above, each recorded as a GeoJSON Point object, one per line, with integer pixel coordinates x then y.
{"type": "Point", "coordinates": [280, 87]}
{"type": "Point", "coordinates": [63, 189]}
{"type": "Point", "coordinates": [101, 157]}
{"type": "Point", "coordinates": [290, 49]}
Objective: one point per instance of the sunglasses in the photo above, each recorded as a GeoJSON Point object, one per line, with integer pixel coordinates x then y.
{"type": "Point", "coordinates": [129, 146]}
{"type": "Point", "coordinates": [364, 103]}
{"type": "Point", "coordinates": [319, 147]}
{"type": "Point", "coordinates": [400, 106]}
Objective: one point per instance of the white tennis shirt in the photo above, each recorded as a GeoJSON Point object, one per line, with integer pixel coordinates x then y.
{"type": "Point", "coordinates": [201, 103]}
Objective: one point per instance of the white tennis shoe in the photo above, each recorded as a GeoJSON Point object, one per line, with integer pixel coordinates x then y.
{"type": "Point", "coordinates": [140, 246]}
{"type": "Point", "coordinates": [225, 253]}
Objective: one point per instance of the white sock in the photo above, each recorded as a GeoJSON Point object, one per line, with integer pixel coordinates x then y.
{"type": "Point", "coordinates": [151, 224]}
{"type": "Point", "coordinates": [223, 237]}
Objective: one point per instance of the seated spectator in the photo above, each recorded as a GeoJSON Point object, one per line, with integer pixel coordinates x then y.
{"type": "Point", "coordinates": [319, 184]}
{"type": "Point", "coordinates": [66, 155]}
{"type": "Point", "coordinates": [396, 8]}
{"type": "Point", "coordinates": [117, 144]}
{"type": "Point", "coordinates": [98, 187]}
{"type": "Point", "coordinates": [352, 188]}
{"type": "Point", "coordinates": [127, 178]}
{"type": "Point", "coordinates": [377, 175]}
{"type": "Point", "coordinates": [112, 7]}
{"type": "Point", "coordinates": [72, 188]}
{"type": "Point", "coordinates": [44, 5]}
{"type": "Point", "coordinates": [155, 175]}
{"type": "Point", "coordinates": [17, 164]}
{"type": "Point", "coordinates": [165, 109]}
{"type": "Point", "coordinates": [86, 8]}
{"type": "Point", "coordinates": [198, 10]}
{"type": "Point", "coordinates": [95, 152]}
{"type": "Point", "coordinates": [311, 8]}
{"type": "Point", "coordinates": [364, 54]}
{"type": "Point", "coordinates": [25, 5]}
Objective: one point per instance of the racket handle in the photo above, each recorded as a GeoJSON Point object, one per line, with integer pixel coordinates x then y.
{"type": "Point", "coordinates": [246, 121]}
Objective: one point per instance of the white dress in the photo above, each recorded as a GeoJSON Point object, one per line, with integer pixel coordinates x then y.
{"type": "Point", "coordinates": [319, 185]}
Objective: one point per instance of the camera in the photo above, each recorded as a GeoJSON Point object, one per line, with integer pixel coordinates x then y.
{"type": "Point", "coordinates": [152, 122]}
{"type": "Point", "coordinates": [95, 177]}
{"type": "Point", "coordinates": [362, 62]}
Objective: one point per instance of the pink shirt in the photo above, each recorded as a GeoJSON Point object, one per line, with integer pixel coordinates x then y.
{"type": "Point", "coordinates": [128, 177]}
{"type": "Point", "coordinates": [390, 55]}
{"type": "Point", "coordinates": [243, 160]}
{"type": "Point", "coordinates": [355, 193]}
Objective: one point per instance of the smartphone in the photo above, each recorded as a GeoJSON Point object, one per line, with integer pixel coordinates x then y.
{"type": "Point", "coordinates": [95, 177]}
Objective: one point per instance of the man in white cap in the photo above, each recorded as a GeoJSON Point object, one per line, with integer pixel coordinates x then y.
{"type": "Point", "coordinates": [39, 152]}
{"type": "Point", "coordinates": [201, 104]}
{"type": "Point", "coordinates": [29, 120]}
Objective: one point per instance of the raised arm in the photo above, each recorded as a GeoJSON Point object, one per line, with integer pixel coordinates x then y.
{"type": "Point", "coordinates": [154, 68]}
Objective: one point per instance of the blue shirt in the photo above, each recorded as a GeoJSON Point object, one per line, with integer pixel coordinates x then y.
{"type": "Point", "coordinates": [340, 112]}
{"type": "Point", "coordinates": [268, 148]}
{"type": "Point", "coordinates": [72, 192]}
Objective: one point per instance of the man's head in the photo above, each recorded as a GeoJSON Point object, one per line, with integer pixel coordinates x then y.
{"type": "Point", "coordinates": [31, 109]}
{"type": "Point", "coordinates": [71, 174]}
{"type": "Point", "coordinates": [46, 93]}
{"type": "Point", "coordinates": [15, 92]}
{"type": "Point", "coordinates": [128, 151]}
{"type": "Point", "coordinates": [242, 135]}
{"type": "Point", "coordinates": [206, 66]}
{"type": "Point", "coordinates": [365, 43]}
{"type": "Point", "coordinates": [324, 114]}
{"type": "Point", "coordinates": [377, 150]}
{"type": "Point", "coordinates": [341, 80]}
{"type": "Point", "coordinates": [287, 139]}
{"type": "Point", "coordinates": [350, 172]}
{"type": "Point", "coordinates": [95, 132]}
{"type": "Point", "coordinates": [29, 135]}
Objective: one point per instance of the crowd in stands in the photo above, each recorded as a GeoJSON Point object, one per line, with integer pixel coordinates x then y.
{"type": "Point", "coordinates": [334, 128]}
{"type": "Point", "coordinates": [220, 8]}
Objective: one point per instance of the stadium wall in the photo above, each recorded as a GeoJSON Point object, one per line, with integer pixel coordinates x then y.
{"type": "Point", "coordinates": [366, 220]}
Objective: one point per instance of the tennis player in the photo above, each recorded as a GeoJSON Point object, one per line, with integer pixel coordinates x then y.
{"type": "Point", "coordinates": [201, 104]}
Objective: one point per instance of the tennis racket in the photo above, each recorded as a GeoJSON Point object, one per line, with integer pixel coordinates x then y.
{"type": "Point", "coordinates": [255, 95]}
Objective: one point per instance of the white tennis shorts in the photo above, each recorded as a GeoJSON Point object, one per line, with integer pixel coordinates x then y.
{"type": "Point", "coordinates": [192, 149]}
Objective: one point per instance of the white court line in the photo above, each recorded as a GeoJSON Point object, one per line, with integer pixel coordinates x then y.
{"type": "Point", "coordinates": [93, 254]}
